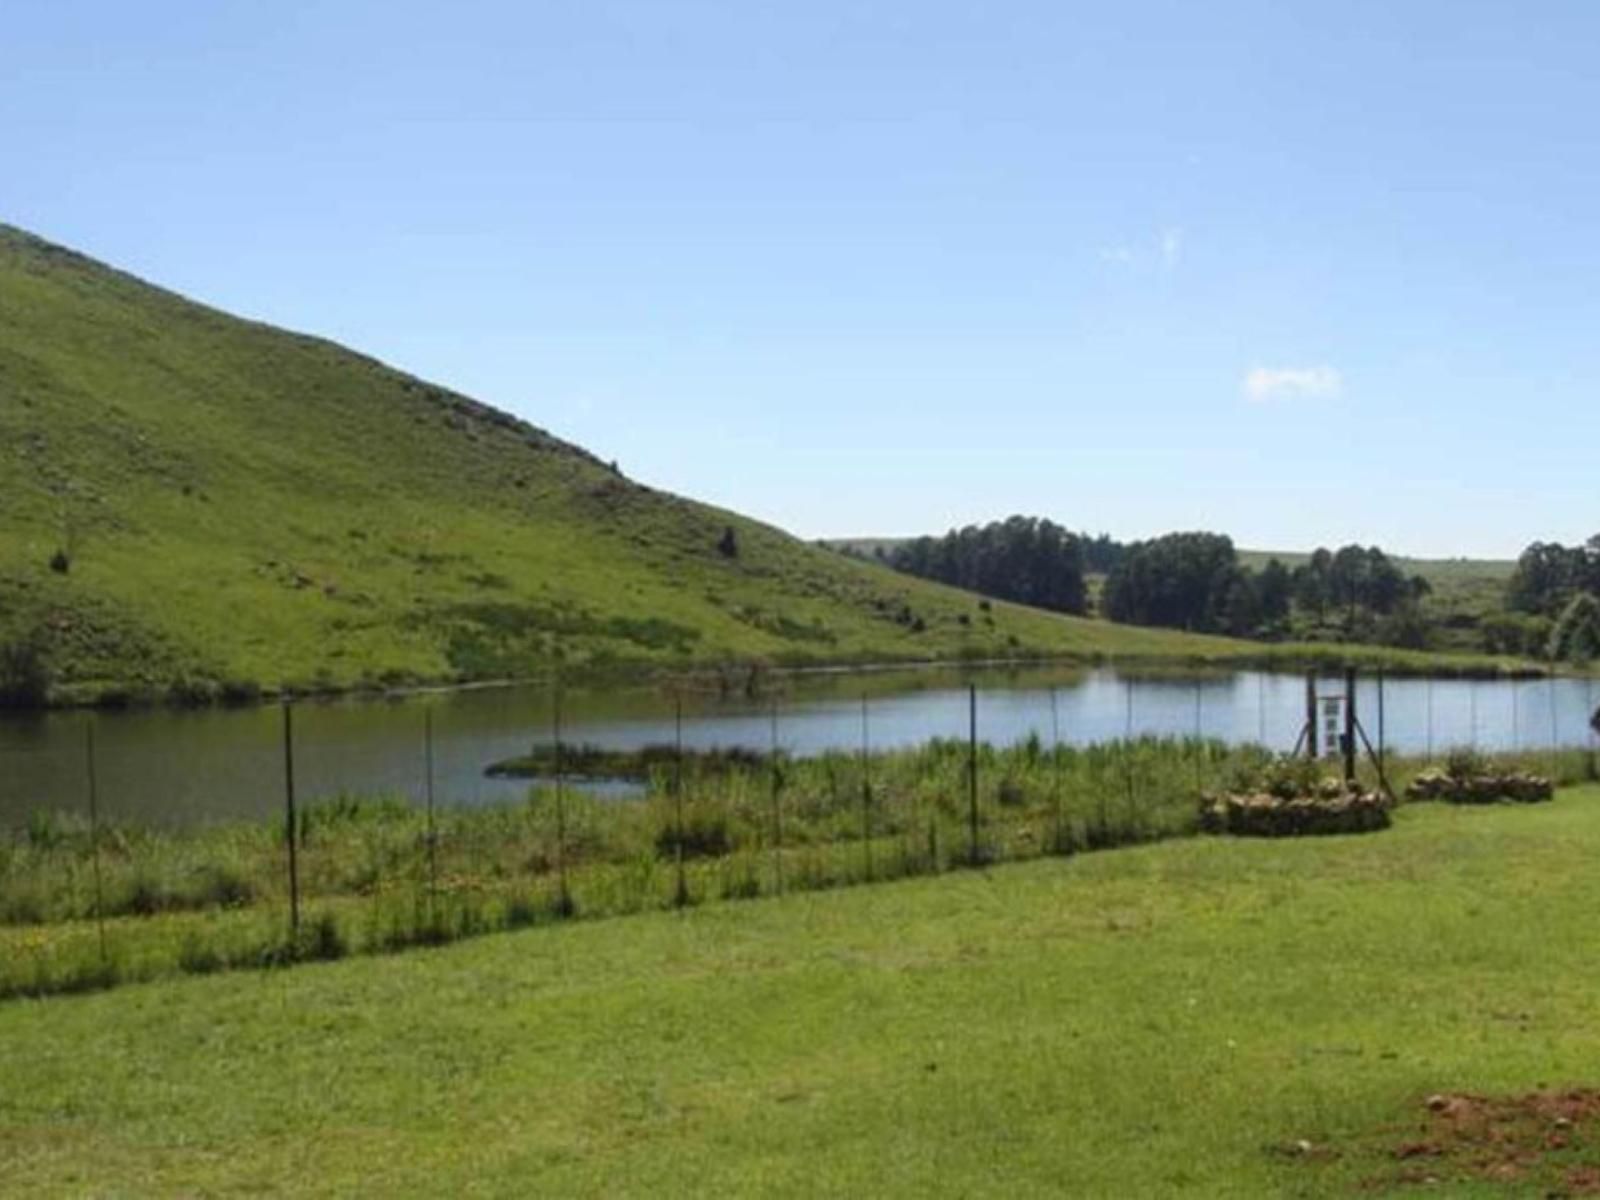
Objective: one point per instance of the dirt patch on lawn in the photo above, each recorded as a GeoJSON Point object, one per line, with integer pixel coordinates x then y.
{"type": "Point", "coordinates": [1542, 1143]}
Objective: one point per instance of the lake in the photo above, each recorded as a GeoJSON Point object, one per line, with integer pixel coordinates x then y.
{"type": "Point", "coordinates": [171, 766]}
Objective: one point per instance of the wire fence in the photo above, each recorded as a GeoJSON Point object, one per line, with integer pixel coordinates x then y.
{"type": "Point", "coordinates": [87, 902]}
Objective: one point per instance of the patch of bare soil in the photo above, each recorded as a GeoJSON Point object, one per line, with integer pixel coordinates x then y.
{"type": "Point", "coordinates": [1544, 1143]}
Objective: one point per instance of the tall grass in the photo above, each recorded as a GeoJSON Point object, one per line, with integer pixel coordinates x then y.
{"type": "Point", "coordinates": [216, 897]}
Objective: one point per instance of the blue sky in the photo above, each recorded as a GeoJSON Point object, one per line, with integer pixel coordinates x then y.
{"type": "Point", "coordinates": [1301, 273]}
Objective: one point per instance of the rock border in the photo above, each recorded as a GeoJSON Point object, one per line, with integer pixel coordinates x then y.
{"type": "Point", "coordinates": [1262, 814]}
{"type": "Point", "coordinates": [1487, 787]}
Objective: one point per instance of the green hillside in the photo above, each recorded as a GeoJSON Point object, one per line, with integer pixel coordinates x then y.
{"type": "Point", "coordinates": [196, 503]}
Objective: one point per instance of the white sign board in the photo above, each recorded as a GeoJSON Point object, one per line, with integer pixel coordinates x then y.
{"type": "Point", "coordinates": [1332, 724]}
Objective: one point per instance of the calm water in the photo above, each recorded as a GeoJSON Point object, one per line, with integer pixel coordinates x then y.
{"type": "Point", "coordinates": [174, 767]}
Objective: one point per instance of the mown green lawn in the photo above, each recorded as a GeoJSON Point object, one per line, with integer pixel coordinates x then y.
{"type": "Point", "coordinates": [1131, 1023]}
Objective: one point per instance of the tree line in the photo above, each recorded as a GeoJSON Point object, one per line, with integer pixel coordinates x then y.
{"type": "Point", "coordinates": [1029, 560]}
{"type": "Point", "coordinates": [1553, 604]}
{"type": "Point", "coordinates": [1191, 581]}
{"type": "Point", "coordinates": [1195, 581]}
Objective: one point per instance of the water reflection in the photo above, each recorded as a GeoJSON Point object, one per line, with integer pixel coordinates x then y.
{"type": "Point", "coordinates": [185, 766]}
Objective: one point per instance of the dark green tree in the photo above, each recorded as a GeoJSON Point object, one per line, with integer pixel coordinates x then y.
{"type": "Point", "coordinates": [1275, 591]}
{"type": "Point", "coordinates": [1548, 575]}
{"type": "Point", "coordinates": [1181, 580]}
{"type": "Point", "coordinates": [1576, 635]}
{"type": "Point", "coordinates": [1025, 559]}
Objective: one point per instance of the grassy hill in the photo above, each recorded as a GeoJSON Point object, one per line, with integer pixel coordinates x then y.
{"type": "Point", "coordinates": [198, 504]}
{"type": "Point", "coordinates": [1209, 1017]}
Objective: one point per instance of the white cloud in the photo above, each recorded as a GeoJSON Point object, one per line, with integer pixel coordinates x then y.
{"type": "Point", "coordinates": [1171, 247]}
{"type": "Point", "coordinates": [1162, 250]}
{"type": "Point", "coordinates": [1292, 383]}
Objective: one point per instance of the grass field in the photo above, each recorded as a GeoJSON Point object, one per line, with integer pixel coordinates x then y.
{"type": "Point", "coordinates": [200, 506]}
{"type": "Point", "coordinates": [1210, 1017]}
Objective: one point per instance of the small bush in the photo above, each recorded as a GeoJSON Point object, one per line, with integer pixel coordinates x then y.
{"type": "Point", "coordinates": [44, 830]}
{"type": "Point", "coordinates": [146, 896]}
{"type": "Point", "coordinates": [562, 906]}
{"type": "Point", "coordinates": [238, 691]}
{"type": "Point", "coordinates": [225, 887]}
{"type": "Point", "coordinates": [25, 675]}
{"type": "Point", "coordinates": [93, 976]}
{"type": "Point", "coordinates": [189, 691]}
{"type": "Point", "coordinates": [22, 908]}
{"type": "Point", "coordinates": [1287, 777]}
{"type": "Point", "coordinates": [321, 941]}
{"type": "Point", "coordinates": [197, 957]}
{"type": "Point", "coordinates": [521, 912]}
{"type": "Point", "coordinates": [1012, 794]}
{"type": "Point", "coordinates": [1463, 762]}
{"type": "Point", "coordinates": [704, 834]}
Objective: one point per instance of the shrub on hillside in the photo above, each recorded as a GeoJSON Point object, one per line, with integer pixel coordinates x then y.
{"type": "Point", "coordinates": [25, 675]}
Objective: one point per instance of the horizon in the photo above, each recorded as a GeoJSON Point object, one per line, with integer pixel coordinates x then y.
{"type": "Point", "coordinates": [1132, 275]}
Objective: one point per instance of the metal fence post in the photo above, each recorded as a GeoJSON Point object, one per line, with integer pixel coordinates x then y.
{"type": "Point", "coordinates": [866, 793]}
{"type": "Point", "coordinates": [1199, 742]}
{"type": "Point", "coordinates": [564, 896]}
{"type": "Point", "coordinates": [1594, 729]}
{"type": "Point", "coordinates": [1261, 708]}
{"type": "Point", "coordinates": [1347, 744]}
{"type": "Point", "coordinates": [1555, 730]}
{"type": "Point", "coordinates": [1430, 717]}
{"type": "Point", "coordinates": [94, 837]}
{"type": "Point", "coordinates": [291, 825]}
{"type": "Point", "coordinates": [1127, 759]}
{"type": "Point", "coordinates": [433, 833]}
{"type": "Point", "coordinates": [1380, 719]}
{"type": "Point", "coordinates": [777, 804]}
{"type": "Point", "coordinates": [681, 897]}
{"type": "Point", "coordinates": [972, 772]}
{"type": "Point", "coordinates": [1055, 772]}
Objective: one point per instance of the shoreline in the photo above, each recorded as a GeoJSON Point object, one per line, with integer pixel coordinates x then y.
{"type": "Point", "coordinates": [1287, 658]}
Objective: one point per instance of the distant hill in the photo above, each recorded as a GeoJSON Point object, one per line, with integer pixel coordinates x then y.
{"type": "Point", "coordinates": [1478, 578]}
{"type": "Point", "coordinates": [195, 504]}
{"type": "Point", "coordinates": [1476, 584]}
